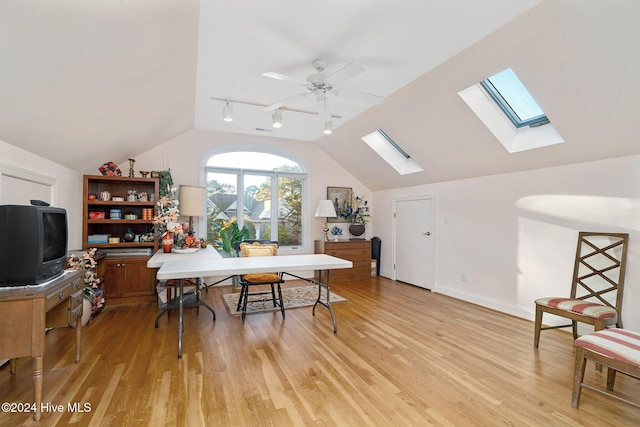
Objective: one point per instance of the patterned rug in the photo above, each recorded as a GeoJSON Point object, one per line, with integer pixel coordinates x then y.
{"type": "Point", "coordinates": [303, 296]}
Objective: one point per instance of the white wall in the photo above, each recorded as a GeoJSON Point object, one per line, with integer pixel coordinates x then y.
{"type": "Point", "coordinates": [187, 154]}
{"type": "Point", "coordinates": [514, 235]}
{"type": "Point", "coordinates": [67, 186]}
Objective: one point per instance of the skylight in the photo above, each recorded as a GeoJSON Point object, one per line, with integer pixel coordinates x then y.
{"type": "Point", "coordinates": [509, 93]}
{"type": "Point", "coordinates": [507, 109]}
{"type": "Point", "coordinates": [391, 152]}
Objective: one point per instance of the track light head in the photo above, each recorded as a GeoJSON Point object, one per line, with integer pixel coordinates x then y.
{"type": "Point", "coordinates": [277, 119]}
{"type": "Point", "coordinates": [227, 112]}
{"type": "Point", "coordinates": [328, 127]}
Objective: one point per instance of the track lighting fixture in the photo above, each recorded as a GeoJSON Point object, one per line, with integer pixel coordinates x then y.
{"type": "Point", "coordinates": [227, 112]}
{"type": "Point", "coordinates": [277, 119]}
{"type": "Point", "coordinates": [328, 127]}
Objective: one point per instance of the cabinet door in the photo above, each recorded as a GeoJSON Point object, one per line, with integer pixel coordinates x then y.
{"type": "Point", "coordinates": [138, 280]}
{"type": "Point", "coordinates": [112, 285]}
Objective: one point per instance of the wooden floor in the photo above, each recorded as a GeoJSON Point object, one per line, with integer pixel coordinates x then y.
{"type": "Point", "coordinates": [403, 356]}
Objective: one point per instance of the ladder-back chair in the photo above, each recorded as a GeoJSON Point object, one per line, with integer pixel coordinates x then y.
{"type": "Point", "coordinates": [248, 248]}
{"type": "Point", "coordinates": [596, 288]}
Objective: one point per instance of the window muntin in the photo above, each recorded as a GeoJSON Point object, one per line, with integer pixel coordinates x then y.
{"type": "Point", "coordinates": [514, 99]}
{"type": "Point", "coordinates": [256, 174]}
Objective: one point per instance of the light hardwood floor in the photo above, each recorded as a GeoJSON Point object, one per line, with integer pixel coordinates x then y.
{"type": "Point", "coordinates": [403, 356]}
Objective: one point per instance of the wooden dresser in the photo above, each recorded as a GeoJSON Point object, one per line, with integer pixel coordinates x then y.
{"type": "Point", "coordinates": [356, 251]}
{"type": "Point", "coordinates": [26, 312]}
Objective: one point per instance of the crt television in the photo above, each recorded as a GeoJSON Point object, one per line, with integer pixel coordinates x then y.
{"type": "Point", "coordinates": [33, 244]}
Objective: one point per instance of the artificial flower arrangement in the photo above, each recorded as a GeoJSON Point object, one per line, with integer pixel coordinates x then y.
{"type": "Point", "coordinates": [356, 212]}
{"type": "Point", "coordinates": [167, 219]}
{"type": "Point", "coordinates": [90, 278]}
{"type": "Point", "coordinates": [184, 241]}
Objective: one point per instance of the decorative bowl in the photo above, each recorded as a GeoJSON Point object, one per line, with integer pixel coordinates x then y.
{"type": "Point", "coordinates": [185, 250]}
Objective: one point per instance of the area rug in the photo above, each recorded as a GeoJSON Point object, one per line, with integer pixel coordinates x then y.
{"type": "Point", "coordinates": [302, 296]}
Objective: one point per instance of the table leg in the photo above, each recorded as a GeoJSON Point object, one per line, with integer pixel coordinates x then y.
{"type": "Point", "coordinates": [78, 336]}
{"type": "Point", "coordinates": [37, 385]}
{"type": "Point", "coordinates": [326, 304]}
{"type": "Point", "coordinates": [180, 317]}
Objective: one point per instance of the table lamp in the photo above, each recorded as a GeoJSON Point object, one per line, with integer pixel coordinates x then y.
{"type": "Point", "coordinates": [325, 210]}
{"type": "Point", "coordinates": [191, 201]}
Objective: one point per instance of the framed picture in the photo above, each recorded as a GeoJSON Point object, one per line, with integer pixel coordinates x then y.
{"type": "Point", "coordinates": [341, 197]}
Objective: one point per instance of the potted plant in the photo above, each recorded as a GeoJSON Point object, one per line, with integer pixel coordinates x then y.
{"type": "Point", "coordinates": [236, 234]}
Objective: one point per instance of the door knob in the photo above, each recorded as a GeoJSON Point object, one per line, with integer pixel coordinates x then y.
{"type": "Point", "coordinates": [428, 233]}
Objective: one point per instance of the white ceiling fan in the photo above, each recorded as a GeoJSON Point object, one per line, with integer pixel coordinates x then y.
{"type": "Point", "coordinates": [321, 84]}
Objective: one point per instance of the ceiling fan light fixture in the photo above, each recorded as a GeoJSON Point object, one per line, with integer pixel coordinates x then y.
{"type": "Point", "coordinates": [277, 119]}
{"type": "Point", "coordinates": [328, 127]}
{"type": "Point", "coordinates": [227, 112]}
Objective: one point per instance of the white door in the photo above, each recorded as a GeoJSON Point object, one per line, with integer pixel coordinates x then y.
{"type": "Point", "coordinates": [413, 241]}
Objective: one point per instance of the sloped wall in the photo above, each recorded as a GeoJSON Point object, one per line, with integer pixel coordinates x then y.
{"type": "Point", "coordinates": [514, 235]}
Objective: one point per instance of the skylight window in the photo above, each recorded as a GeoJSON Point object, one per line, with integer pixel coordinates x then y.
{"type": "Point", "coordinates": [507, 109]}
{"type": "Point", "coordinates": [391, 152]}
{"type": "Point", "coordinates": [509, 93]}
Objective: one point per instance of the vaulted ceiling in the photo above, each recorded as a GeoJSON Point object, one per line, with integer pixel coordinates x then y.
{"type": "Point", "coordinates": [82, 82]}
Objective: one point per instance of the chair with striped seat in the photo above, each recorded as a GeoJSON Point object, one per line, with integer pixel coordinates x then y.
{"type": "Point", "coordinates": [596, 288]}
{"type": "Point", "coordinates": [617, 349]}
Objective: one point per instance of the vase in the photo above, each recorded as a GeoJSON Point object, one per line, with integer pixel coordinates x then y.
{"type": "Point", "coordinates": [356, 229]}
{"type": "Point", "coordinates": [87, 307]}
{"type": "Point", "coordinates": [167, 242]}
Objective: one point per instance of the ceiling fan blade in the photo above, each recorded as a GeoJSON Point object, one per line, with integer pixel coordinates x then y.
{"type": "Point", "coordinates": [345, 73]}
{"type": "Point", "coordinates": [285, 102]}
{"type": "Point", "coordinates": [359, 96]}
{"type": "Point", "coordinates": [284, 78]}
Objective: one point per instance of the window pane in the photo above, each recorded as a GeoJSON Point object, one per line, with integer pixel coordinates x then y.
{"type": "Point", "coordinates": [290, 211]}
{"type": "Point", "coordinates": [516, 95]}
{"type": "Point", "coordinates": [514, 99]}
{"type": "Point", "coordinates": [257, 206]}
{"type": "Point", "coordinates": [222, 203]}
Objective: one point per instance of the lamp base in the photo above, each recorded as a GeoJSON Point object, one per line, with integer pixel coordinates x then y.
{"type": "Point", "coordinates": [326, 231]}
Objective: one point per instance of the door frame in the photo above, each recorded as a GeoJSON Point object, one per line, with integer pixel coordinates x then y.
{"type": "Point", "coordinates": [394, 237]}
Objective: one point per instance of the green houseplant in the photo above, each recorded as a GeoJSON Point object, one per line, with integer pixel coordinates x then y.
{"type": "Point", "coordinates": [235, 234]}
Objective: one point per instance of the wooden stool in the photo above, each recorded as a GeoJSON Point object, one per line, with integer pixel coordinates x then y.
{"type": "Point", "coordinates": [617, 349]}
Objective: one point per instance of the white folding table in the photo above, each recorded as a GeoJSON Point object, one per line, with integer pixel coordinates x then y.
{"type": "Point", "coordinates": [186, 267]}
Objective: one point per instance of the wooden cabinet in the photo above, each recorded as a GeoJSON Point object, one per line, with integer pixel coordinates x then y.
{"type": "Point", "coordinates": [129, 277]}
{"type": "Point", "coordinates": [126, 276]}
{"type": "Point", "coordinates": [106, 224]}
{"type": "Point", "coordinates": [25, 314]}
{"type": "Point", "coordinates": [356, 251]}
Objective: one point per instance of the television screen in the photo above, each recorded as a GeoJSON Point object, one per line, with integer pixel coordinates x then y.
{"type": "Point", "coordinates": [54, 245]}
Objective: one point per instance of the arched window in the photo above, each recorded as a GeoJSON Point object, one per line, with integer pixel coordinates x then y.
{"type": "Point", "coordinates": [270, 200]}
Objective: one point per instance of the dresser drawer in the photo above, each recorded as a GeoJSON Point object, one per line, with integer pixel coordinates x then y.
{"type": "Point", "coordinates": [61, 295]}
{"type": "Point", "coordinates": [75, 314]}
{"type": "Point", "coordinates": [351, 254]}
{"type": "Point", "coordinates": [76, 299]}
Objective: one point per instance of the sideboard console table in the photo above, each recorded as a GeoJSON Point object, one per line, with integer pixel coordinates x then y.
{"type": "Point", "coordinates": [27, 311]}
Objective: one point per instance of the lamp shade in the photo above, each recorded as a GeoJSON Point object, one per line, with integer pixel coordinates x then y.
{"type": "Point", "coordinates": [191, 200]}
{"type": "Point", "coordinates": [325, 209]}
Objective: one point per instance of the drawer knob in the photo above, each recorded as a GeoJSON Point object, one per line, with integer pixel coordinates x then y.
{"type": "Point", "coordinates": [61, 295]}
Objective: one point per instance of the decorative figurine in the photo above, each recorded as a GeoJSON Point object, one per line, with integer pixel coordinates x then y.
{"type": "Point", "coordinates": [131, 172]}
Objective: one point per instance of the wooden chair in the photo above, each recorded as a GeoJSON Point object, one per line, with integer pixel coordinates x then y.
{"type": "Point", "coordinates": [617, 349]}
{"type": "Point", "coordinates": [274, 280]}
{"type": "Point", "coordinates": [596, 288]}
